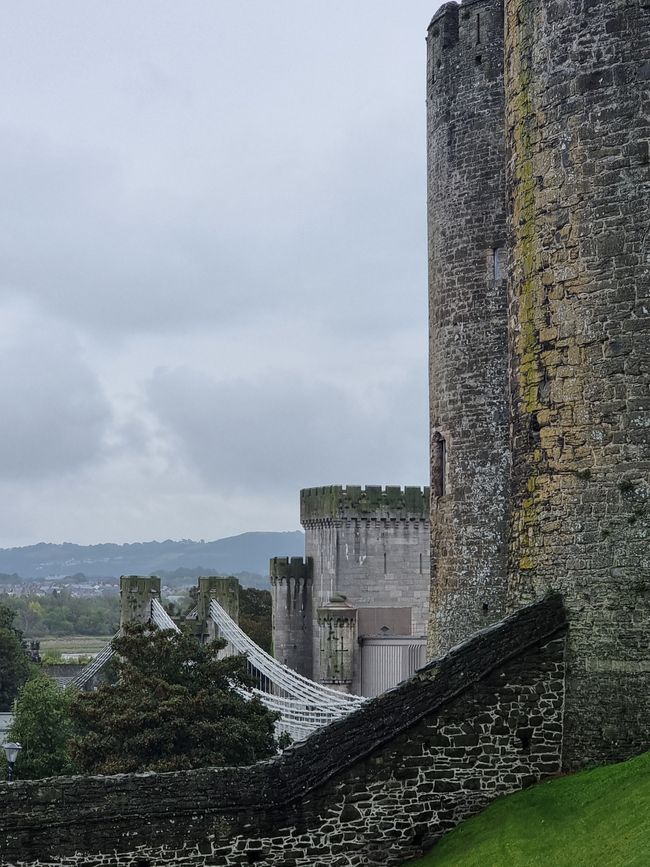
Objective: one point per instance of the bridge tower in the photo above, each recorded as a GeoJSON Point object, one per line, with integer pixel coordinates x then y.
{"type": "Point", "coordinates": [292, 602]}
{"type": "Point", "coordinates": [136, 593]}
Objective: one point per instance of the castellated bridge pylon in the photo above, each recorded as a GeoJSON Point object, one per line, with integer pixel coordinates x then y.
{"type": "Point", "coordinates": [303, 705]}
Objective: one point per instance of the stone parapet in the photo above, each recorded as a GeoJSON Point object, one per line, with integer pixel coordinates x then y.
{"type": "Point", "coordinates": [341, 502]}
{"type": "Point", "coordinates": [282, 568]}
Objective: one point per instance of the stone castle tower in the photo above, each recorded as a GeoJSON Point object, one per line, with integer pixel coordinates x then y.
{"type": "Point", "coordinates": [468, 320]}
{"type": "Point", "coordinates": [365, 573]}
{"type": "Point", "coordinates": [539, 226]}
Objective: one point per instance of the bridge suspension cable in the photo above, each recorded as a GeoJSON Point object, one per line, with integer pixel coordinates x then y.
{"type": "Point", "coordinates": [94, 666]}
{"type": "Point", "coordinates": [303, 705]}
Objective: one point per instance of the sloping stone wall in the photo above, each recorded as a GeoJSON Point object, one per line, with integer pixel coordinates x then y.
{"type": "Point", "coordinates": [378, 787]}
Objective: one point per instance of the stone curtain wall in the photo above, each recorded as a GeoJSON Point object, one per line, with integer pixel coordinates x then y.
{"type": "Point", "coordinates": [375, 788]}
{"type": "Point", "coordinates": [578, 138]}
{"type": "Point", "coordinates": [467, 320]}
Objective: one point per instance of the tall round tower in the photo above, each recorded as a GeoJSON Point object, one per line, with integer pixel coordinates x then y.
{"type": "Point", "coordinates": [370, 552]}
{"type": "Point", "coordinates": [578, 133]}
{"type": "Point", "coordinates": [470, 456]}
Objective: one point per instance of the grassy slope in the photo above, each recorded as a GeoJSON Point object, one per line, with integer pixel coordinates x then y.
{"type": "Point", "coordinates": [597, 817]}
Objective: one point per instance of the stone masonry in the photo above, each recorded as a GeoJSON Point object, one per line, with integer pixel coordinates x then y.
{"type": "Point", "coordinates": [292, 627]}
{"type": "Point", "coordinates": [468, 320]}
{"type": "Point", "coordinates": [577, 196]}
{"type": "Point", "coordinates": [377, 787]}
{"type": "Point", "coordinates": [367, 558]}
{"type": "Point", "coordinates": [578, 133]}
{"type": "Point", "coordinates": [369, 545]}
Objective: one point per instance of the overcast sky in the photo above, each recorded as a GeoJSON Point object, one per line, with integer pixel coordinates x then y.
{"type": "Point", "coordinates": [212, 261]}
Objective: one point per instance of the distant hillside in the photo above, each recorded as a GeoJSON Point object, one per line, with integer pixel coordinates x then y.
{"type": "Point", "coordinates": [249, 552]}
{"type": "Point", "coordinates": [598, 818]}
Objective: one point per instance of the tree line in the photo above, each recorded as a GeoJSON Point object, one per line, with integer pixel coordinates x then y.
{"type": "Point", "coordinates": [60, 613]}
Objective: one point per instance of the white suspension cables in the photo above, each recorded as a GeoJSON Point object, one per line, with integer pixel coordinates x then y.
{"type": "Point", "coordinates": [160, 617]}
{"type": "Point", "coordinates": [304, 705]}
{"type": "Point", "coordinates": [298, 717]}
{"type": "Point", "coordinates": [95, 666]}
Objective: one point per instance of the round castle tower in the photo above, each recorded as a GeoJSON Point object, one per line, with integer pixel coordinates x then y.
{"type": "Point", "coordinates": [370, 550]}
{"type": "Point", "coordinates": [468, 359]}
{"type": "Point", "coordinates": [577, 89]}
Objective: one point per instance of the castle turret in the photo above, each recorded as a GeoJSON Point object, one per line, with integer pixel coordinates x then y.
{"type": "Point", "coordinates": [292, 628]}
{"type": "Point", "coordinates": [225, 591]}
{"type": "Point", "coordinates": [578, 92]}
{"type": "Point", "coordinates": [337, 626]}
{"type": "Point", "coordinates": [470, 456]}
{"type": "Point", "coordinates": [372, 546]}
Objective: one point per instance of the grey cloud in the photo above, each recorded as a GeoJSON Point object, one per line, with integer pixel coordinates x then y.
{"type": "Point", "coordinates": [285, 433]}
{"type": "Point", "coordinates": [74, 237]}
{"type": "Point", "coordinates": [184, 182]}
{"type": "Point", "coordinates": [223, 166]}
{"type": "Point", "coordinates": [54, 415]}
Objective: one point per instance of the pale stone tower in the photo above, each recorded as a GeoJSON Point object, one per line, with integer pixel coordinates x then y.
{"type": "Point", "coordinates": [292, 603]}
{"type": "Point", "coordinates": [366, 573]}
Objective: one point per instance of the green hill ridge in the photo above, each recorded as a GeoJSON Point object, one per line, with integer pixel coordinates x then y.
{"type": "Point", "coordinates": [596, 818]}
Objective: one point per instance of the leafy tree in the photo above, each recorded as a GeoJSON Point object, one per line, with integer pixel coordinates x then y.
{"type": "Point", "coordinates": [255, 615]}
{"type": "Point", "coordinates": [174, 706]}
{"type": "Point", "coordinates": [43, 727]}
{"type": "Point", "coordinates": [15, 667]}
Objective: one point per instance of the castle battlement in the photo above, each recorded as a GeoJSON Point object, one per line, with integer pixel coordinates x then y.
{"type": "Point", "coordinates": [465, 39]}
{"type": "Point", "coordinates": [282, 568]}
{"type": "Point", "coordinates": [356, 501]}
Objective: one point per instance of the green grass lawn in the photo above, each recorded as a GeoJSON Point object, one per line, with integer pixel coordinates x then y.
{"type": "Point", "coordinates": [597, 817]}
{"type": "Point", "coordinates": [74, 643]}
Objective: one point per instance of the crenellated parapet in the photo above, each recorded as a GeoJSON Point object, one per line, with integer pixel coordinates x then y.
{"type": "Point", "coordinates": [368, 544]}
{"type": "Point", "coordinates": [284, 568]}
{"type": "Point", "coordinates": [390, 502]}
{"type": "Point", "coordinates": [465, 42]}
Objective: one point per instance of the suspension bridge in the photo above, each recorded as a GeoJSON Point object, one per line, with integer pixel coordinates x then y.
{"type": "Point", "coordinates": [303, 705]}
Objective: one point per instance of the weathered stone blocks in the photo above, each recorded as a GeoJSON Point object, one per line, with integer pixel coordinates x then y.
{"type": "Point", "coordinates": [573, 112]}
{"type": "Point", "coordinates": [467, 320]}
{"type": "Point", "coordinates": [377, 787]}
